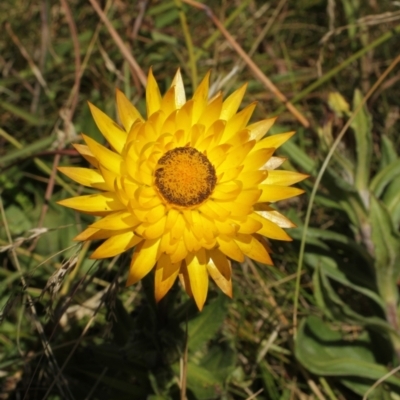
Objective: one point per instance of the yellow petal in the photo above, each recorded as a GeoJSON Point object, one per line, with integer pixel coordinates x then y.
{"type": "Point", "coordinates": [168, 105]}
{"type": "Point", "coordinates": [184, 279]}
{"type": "Point", "coordinates": [102, 202]}
{"type": "Point", "coordinates": [211, 112]}
{"type": "Point", "coordinates": [116, 221]}
{"type": "Point", "coordinates": [108, 176]}
{"type": "Point", "coordinates": [197, 226]}
{"type": "Point", "coordinates": [236, 156]}
{"type": "Point", "coordinates": [85, 177]}
{"type": "Point", "coordinates": [168, 245]}
{"type": "Point", "coordinates": [269, 229]}
{"type": "Point", "coordinates": [283, 178]}
{"type": "Point", "coordinates": [144, 259]}
{"type": "Point", "coordinates": [184, 119]}
{"type": "Point", "coordinates": [274, 140]}
{"type": "Point", "coordinates": [127, 112]}
{"type": "Point", "coordinates": [259, 129]}
{"type": "Point", "coordinates": [256, 159]}
{"type": "Point", "coordinates": [198, 277]}
{"type": "Point", "coordinates": [218, 154]}
{"type": "Point", "coordinates": [95, 234]}
{"type": "Point", "coordinates": [153, 96]}
{"type": "Point", "coordinates": [273, 163]}
{"type": "Point", "coordinates": [214, 210]}
{"type": "Point", "coordinates": [271, 193]}
{"type": "Point", "coordinates": [221, 262]}
{"type": "Point", "coordinates": [230, 174]}
{"type": "Point", "coordinates": [232, 103]}
{"type": "Point", "coordinates": [109, 159]}
{"type": "Point", "coordinates": [156, 229]}
{"type": "Point", "coordinates": [209, 229]}
{"type": "Point", "coordinates": [180, 96]}
{"type": "Point", "coordinates": [109, 129]}
{"type": "Point", "coordinates": [218, 271]}
{"type": "Point", "coordinates": [226, 228]}
{"type": "Point", "coordinates": [251, 225]}
{"type": "Point", "coordinates": [230, 248]}
{"type": "Point", "coordinates": [179, 227]}
{"type": "Point", "coordinates": [253, 249]}
{"type": "Point", "coordinates": [238, 122]}
{"type": "Point", "coordinates": [190, 241]}
{"type": "Point", "coordinates": [179, 253]}
{"type": "Point", "coordinates": [165, 276]}
{"type": "Point", "coordinates": [252, 179]}
{"type": "Point", "coordinates": [226, 191]}
{"type": "Point", "coordinates": [116, 244]}
{"type": "Point", "coordinates": [274, 216]}
{"type": "Point", "coordinates": [172, 217]}
{"type": "Point", "coordinates": [85, 152]}
{"type": "Point", "coordinates": [200, 98]}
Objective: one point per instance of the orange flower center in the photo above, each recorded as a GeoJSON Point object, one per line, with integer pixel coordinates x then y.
{"type": "Point", "coordinates": [185, 177]}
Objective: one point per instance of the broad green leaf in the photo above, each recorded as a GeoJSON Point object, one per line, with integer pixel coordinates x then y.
{"type": "Point", "coordinates": [384, 177]}
{"type": "Point", "coordinates": [362, 127]}
{"type": "Point", "coordinates": [330, 268]}
{"type": "Point", "coordinates": [386, 242]}
{"type": "Point", "coordinates": [388, 152]}
{"type": "Point", "coordinates": [18, 221]}
{"type": "Point", "coordinates": [337, 238]}
{"type": "Point", "coordinates": [204, 326]}
{"type": "Point", "coordinates": [202, 382]}
{"type": "Point", "coordinates": [325, 352]}
{"type": "Point", "coordinates": [220, 360]}
{"type": "Point", "coordinates": [391, 197]}
{"type": "Point", "coordinates": [359, 386]}
{"type": "Point", "coordinates": [335, 308]}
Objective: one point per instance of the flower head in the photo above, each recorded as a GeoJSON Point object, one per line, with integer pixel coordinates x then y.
{"type": "Point", "coordinates": [189, 187]}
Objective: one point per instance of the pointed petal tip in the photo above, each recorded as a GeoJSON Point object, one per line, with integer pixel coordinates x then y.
{"type": "Point", "coordinates": [200, 305]}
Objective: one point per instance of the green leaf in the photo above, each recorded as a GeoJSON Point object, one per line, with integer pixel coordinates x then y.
{"type": "Point", "coordinates": [325, 352]}
{"type": "Point", "coordinates": [330, 268]}
{"type": "Point", "coordinates": [362, 127]}
{"type": "Point", "coordinates": [299, 157]}
{"type": "Point", "coordinates": [384, 177]}
{"type": "Point", "coordinates": [162, 37]}
{"type": "Point", "coordinates": [335, 308]}
{"type": "Point", "coordinates": [391, 198]}
{"type": "Point", "coordinates": [382, 392]}
{"type": "Point", "coordinates": [220, 360]}
{"type": "Point", "coordinates": [204, 326]}
{"type": "Point", "coordinates": [388, 152]}
{"type": "Point", "coordinates": [203, 383]}
{"type": "Point", "coordinates": [270, 386]}
{"type": "Point", "coordinates": [386, 242]}
{"type": "Point", "coordinates": [17, 220]}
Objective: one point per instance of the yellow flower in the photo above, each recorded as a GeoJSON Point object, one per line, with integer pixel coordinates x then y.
{"type": "Point", "coordinates": [189, 187]}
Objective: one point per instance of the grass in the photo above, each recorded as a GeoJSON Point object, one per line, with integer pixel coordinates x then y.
{"type": "Point", "coordinates": [328, 330]}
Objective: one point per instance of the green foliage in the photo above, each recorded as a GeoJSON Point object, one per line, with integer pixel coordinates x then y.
{"type": "Point", "coordinates": [69, 329]}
